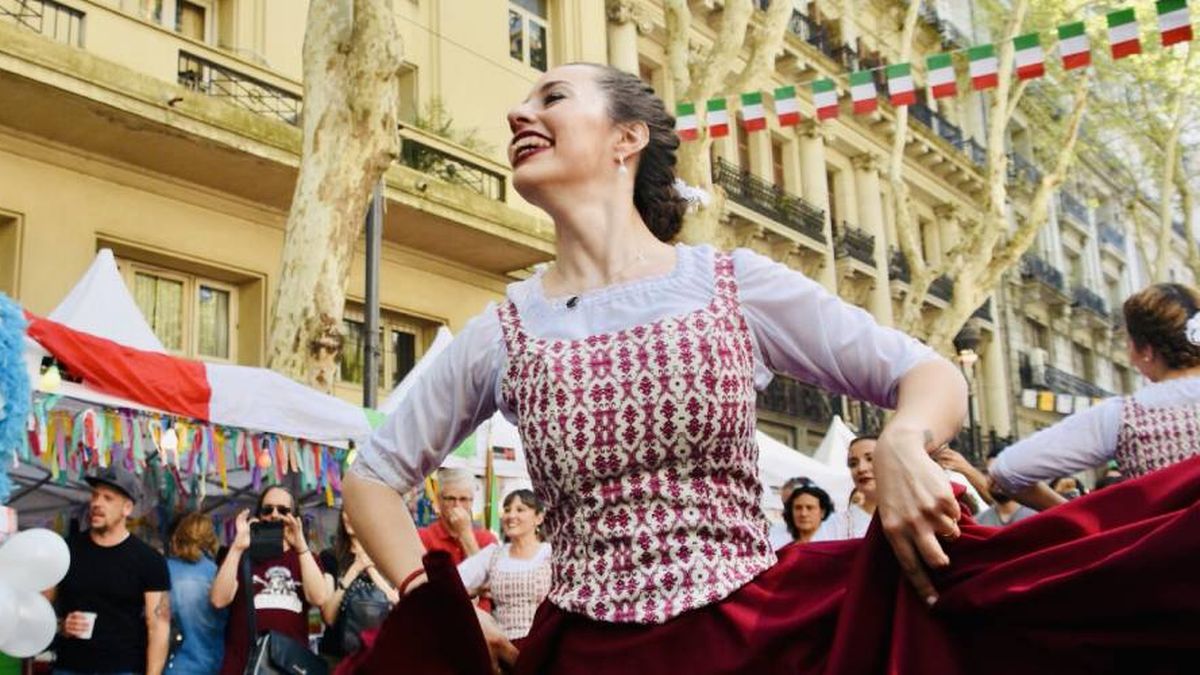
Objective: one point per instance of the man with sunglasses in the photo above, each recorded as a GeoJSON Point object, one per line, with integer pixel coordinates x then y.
{"type": "Point", "coordinates": [286, 584]}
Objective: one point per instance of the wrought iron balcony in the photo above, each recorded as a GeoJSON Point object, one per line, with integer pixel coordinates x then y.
{"type": "Point", "coordinates": [921, 113]}
{"type": "Point", "coordinates": [898, 266]}
{"type": "Point", "coordinates": [54, 20]}
{"type": "Point", "coordinates": [1073, 207]}
{"type": "Point", "coordinates": [199, 74]}
{"type": "Point", "coordinates": [1085, 298]}
{"type": "Point", "coordinates": [807, 30]}
{"type": "Point", "coordinates": [943, 288]}
{"type": "Point", "coordinates": [950, 132]}
{"type": "Point", "coordinates": [977, 152]}
{"type": "Point", "coordinates": [1112, 236]}
{"type": "Point", "coordinates": [1037, 269]}
{"type": "Point", "coordinates": [793, 398]}
{"type": "Point", "coordinates": [448, 167]}
{"type": "Point", "coordinates": [769, 200]}
{"type": "Point", "coordinates": [985, 311]}
{"type": "Point", "coordinates": [853, 242]}
{"type": "Point", "coordinates": [1019, 166]}
{"type": "Point", "coordinates": [1059, 381]}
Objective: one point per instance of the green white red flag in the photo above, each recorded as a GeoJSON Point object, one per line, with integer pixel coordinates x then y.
{"type": "Point", "coordinates": [754, 116]}
{"type": "Point", "coordinates": [1073, 45]}
{"type": "Point", "coordinates": [900, 84]}
{"type": "Point", "coordinates": [825, 98]}
{"type": "Point", "coordinates": [943, 81]}
{"type": "Point", "coordinates": [1028, 56]}
{"type": "Point", "coordinates": [984, 67]}
{"type": "Point", "coordinates": [863, 92]}
{"type": "Point", "coordinates": [787, 107]}
{"type": "Point", "coordinates": [1174, 21]}
{"type": "Point", "coordinates": [685, 121]}
{"type": "Point", "coordinates": [718, 118]}
{"type": "Point", "coordinates": [1123, 35]}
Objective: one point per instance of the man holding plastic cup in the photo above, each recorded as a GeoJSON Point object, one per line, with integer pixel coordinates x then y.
{"type": "Point", "coordinates": [114, 601]}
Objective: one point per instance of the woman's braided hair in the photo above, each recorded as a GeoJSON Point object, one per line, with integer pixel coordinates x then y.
{"type": "Point", "coordinates": [1157, 317]}
{"type": "Point", "coordinates": [632, 100]}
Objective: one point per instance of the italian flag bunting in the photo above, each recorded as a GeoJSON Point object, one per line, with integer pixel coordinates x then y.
{"type": "Point", "coordinates": [1174, 21]}
{"type": "Point", "coordinates": [825, 98]}
{"type": "Point", "coordinates": [942, 80]}
{"type": "Point", "coordinates": [718, 118]}
{"type": "Point", "coordinates": [685, 121]}
{"type": "Point", "coordinates": [1123, 33]}
{"type": "Point", "coordinates": [1030, 59]}
{"type": "Point", "coordinates": [787, 108]}
{"type": "Point", "coordinates": [1073, 45]}
{"type": "Point", "coordinates": [984, 67]}
{"type": "Point", "coordinates": [754, 118]}
{"type": "Point", "coordinates": [900, 84]}
{"type": "Point", "coordinates": [862, 90]}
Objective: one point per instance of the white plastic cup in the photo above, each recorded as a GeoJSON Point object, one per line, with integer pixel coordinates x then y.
{"type": "Point", "coordinates": [90, 617]}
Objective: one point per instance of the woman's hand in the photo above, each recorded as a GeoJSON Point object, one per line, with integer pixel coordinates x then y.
{"type": "Point", "coordinates": [499, 646]}
{"type": "Point", "coordinates": [293, 532]}
{"type": "Point", "coordinates": [915, 503]}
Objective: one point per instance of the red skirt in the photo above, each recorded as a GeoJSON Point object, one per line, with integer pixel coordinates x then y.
{"type": "Point", "coordinates": [1107, 583]}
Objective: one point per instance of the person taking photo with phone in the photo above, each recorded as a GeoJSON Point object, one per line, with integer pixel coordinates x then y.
{"type": "Point", "coordinates": [287, 578]}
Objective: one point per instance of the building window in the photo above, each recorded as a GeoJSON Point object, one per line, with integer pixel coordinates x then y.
{"type": "Point", "coordinates": [1036, 335]}
{"type": "Point", "coordinates": [402, 340]}
{"type": "Point", "coordinates": [191, 20]}
{"type": "Point", "coordinates": [191, 315]}
{"type": "Point", "coordinates": [777, 163]}
{"type": "Point", "coordinates": [528, 36]}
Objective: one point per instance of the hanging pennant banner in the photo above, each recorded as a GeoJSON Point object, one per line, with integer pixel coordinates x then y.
{"type": "Point", "coordinates": [787, 107]}
{"type": "Point", "coordinates": [863, 92]}
{"type": "Point", "coordinates": [1174, 22]}
{"type": "Point", "coordinates": [900, 84]}
{"type": "Point", "coordinates": [1123, 35]}
{"type": "Point", "coordinates": [985, 69]}
{"type": "Point", "coordinates": [943, 81]}
{"type": "Point", "coordinates": [825, 98]}
{"type": "Point", "coordinates": [685, 122]}
{"type": "Point", "coordinates": [754, 116]}
{"type": "Point", "coordinates": [1073, 46]}
{"type": "Point", "coordinates": [718, 118]}
{"type": "Point", "coordinates": [1029, 57]}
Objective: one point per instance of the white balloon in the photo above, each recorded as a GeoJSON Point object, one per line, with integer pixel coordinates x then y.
{"type": "Point", "coordinates": [8, 611]}
{"type": "Point", "coordinates": [34, 560]}
{"type": "Point", "coordinates": [36, 624]}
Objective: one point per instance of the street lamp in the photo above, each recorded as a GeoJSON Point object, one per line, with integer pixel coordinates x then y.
{"type": "Point", "coordinates": [966, 342]}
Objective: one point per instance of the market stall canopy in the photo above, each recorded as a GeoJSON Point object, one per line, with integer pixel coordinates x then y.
{"type": "Point", "coordinates": [778, 462]}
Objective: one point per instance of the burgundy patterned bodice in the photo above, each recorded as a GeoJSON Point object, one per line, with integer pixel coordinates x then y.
{"type": "Point", "coordinates": [1153, 438]}
{"type": "Point", "coordinates": [641, 442]}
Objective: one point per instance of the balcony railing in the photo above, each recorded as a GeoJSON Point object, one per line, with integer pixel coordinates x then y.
{"type": "Point", "coordinates": [796, 399]}
{"type": "Point", "coordinates": [769, 200]}
{"type": "Point", "coordinates": [447, 167]}
{"type": "Point", "coordinates": [950, 132]}
{"type": "Point", "coordinates": [1112, 236]}
{"type": "Point", "coordinates": [921, 113]}
{"type": "Point", "coordinates": [942, 287]}
{"type": "Point", "coordinates": [807, 30]}
{"type": "Point", "coordinates": [1059, 381]}
{"type": "Point", "coordinates": [1033, 267]}
{"type": "Point", "coordinates": [898, 266]}
{"type": "Point", "coordinates": [199, 74]}
{"type": "Point", "coordinates": [977, 152]}
{"type": "Point", "coordinates": [56, 21]}
{"type": "Point", "coordinates": [1085, 298]}
{"type": "Point", "coordinates": [855, 243]}
{"type": "Point", "coordinates": [1073, 207]}
{"type": "Point", "coordinates": [1019, 166]}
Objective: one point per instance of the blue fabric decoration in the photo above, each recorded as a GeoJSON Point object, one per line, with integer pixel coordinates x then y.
{"type": "Point", "coordinates": [14, 388]}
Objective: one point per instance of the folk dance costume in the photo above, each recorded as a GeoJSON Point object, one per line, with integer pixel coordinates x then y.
{"type": "Point", "coordinates": [636, 409]}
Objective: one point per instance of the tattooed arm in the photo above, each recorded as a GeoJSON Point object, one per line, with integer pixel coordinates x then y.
{"type": "Point", "coordinates": [158, 630]}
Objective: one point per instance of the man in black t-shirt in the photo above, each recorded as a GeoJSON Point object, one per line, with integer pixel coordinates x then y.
{"type": "Point", "coordinates": [114, 600]}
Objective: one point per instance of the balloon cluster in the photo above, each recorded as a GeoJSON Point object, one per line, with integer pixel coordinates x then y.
{"type": "Point", "coordinates": [30, 562]}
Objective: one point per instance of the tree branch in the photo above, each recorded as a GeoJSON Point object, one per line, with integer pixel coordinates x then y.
{"type": "Point", "coordinates": [1166, 187]}
{"type": "Point", "coordinates": [735, 18]}
{"type": "Point", "coordinates": [678, 18]}
{"type": "Point", "coordinates": [767, 41]}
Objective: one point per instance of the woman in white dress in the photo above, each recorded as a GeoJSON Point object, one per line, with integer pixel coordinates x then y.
{"type": "Point", "coordinates": [853, 522]}
{"type": "Point", "coordinates": [1148, 430]}
{"type": "Point", "coordinates": [516, 574]}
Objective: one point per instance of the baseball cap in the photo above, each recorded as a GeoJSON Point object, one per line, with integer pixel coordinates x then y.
{"type": "Point", "coordinates": [118, 479]}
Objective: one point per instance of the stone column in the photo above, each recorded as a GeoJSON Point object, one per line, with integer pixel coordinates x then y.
{"type": "Point", "coordinates": [622, 35]}
{"type": "Point", "coordinates": [869, 197]}
{"type": "Point", "coordinates": [813, 187]}
{"type": "Point", "coordinates": [995, 379]}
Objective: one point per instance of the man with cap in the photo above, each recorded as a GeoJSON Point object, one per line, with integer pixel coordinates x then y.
{"type": "Point", "coordinates": [114, 601]}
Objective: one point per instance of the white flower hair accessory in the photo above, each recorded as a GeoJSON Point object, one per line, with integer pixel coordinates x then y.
{"type": "Point", "coordinates": [696, 197]}
{"type": "Point", "coordinates": [1193, 329]}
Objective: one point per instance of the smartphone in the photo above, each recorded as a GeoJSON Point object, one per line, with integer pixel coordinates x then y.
{"type": "Point", "coordinates": [266, 540]}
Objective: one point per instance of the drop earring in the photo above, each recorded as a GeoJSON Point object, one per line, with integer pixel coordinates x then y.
{"type": "Point", "coordinates": [622, 168]}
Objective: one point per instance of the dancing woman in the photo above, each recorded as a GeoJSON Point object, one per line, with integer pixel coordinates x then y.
{"type": "Point", "coordinates": [1153, 428]}
{"type": "Point", "coordinates": [630, 367]}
